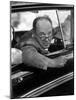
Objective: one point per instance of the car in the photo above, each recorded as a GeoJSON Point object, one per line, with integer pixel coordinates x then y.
{"type": "Point", "coordinates": [27, 82]}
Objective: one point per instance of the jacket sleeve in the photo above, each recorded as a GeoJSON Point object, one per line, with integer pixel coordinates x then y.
{"type": "Point", "coordinates": [32, 57]}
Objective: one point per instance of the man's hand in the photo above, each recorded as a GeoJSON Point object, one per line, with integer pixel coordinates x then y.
{"type": "Point", "coordinates": [60, 61]}
{"type": "Point", "coordinates": [57, 62]}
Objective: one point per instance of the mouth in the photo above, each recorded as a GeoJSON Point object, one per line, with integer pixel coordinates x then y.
{"type": "Point", "coordinates": [46, 43]}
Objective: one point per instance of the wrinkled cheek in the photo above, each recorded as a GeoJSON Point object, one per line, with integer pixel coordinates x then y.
{"type": "Point", "coordinates": [50, 39]}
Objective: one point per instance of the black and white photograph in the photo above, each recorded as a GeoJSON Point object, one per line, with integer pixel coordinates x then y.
{"type": "Point", "coordinates": [41, 49]}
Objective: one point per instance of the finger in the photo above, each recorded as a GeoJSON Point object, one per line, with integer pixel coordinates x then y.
{"type": "Point", "coordinates": [60, 66]}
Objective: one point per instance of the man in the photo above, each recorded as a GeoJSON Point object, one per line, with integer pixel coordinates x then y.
{"type": "Point", "coordinates": [34, 45]}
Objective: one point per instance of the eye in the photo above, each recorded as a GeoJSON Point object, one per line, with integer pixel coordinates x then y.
{"type": "Point", "coordinates": [50, 33]}
{"type": "Point", "coordinates": [42, 34]}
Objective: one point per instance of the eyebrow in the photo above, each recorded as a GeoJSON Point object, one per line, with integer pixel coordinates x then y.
{"type": "Point", "coordinates": [45, 33]}
{"type": "Point", "coordinates": [50, 32]}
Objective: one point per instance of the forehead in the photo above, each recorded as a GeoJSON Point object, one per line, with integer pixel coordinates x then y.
{"type": "Point", "coordinates": [44, 25]}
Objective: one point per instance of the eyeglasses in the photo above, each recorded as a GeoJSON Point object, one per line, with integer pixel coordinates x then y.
{"type": "Point", "coordinates": [42, 35]}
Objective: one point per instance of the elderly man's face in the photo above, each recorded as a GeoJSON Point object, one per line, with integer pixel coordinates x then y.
{"type": "Point", "coordinates": [44, 31]}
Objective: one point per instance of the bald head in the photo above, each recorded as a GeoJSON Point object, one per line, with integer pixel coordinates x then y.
{"type": "Point", "coordinates": [40, 19]}
{"type": "Point", "coordinates": [43, 26]}
{"type": "Point", "coordinates": [43, 29]}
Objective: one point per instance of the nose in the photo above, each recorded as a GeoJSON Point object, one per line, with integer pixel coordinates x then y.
{"type": "Point", "coordinates": [46, 35]}
{"type": "Point", "coordinates": [47, 39]}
